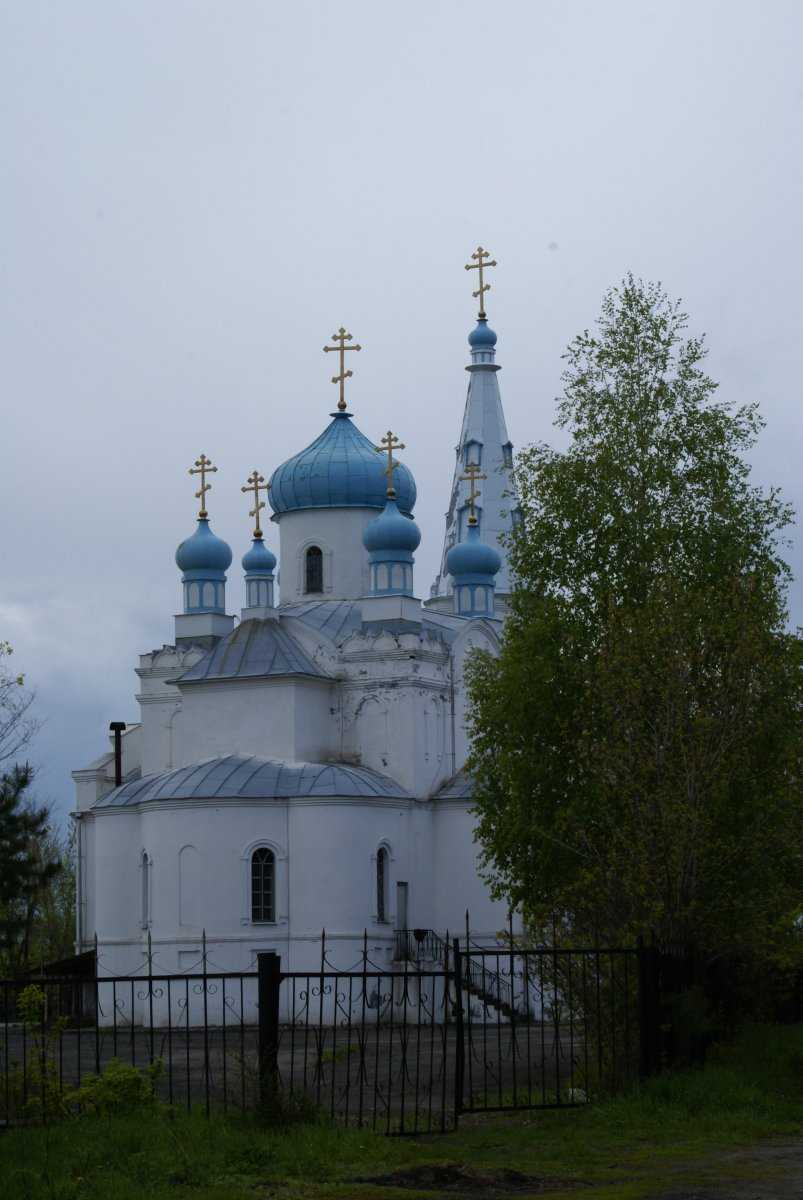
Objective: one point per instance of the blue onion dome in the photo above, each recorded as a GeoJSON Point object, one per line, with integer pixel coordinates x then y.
{"type": "Point", "coordinates": [473, 557]}
{"type": "Point", "coordinates": [259, 560]}
{"type": "Point", "coordinates": [203, 551]}
{"type": "Point", "coordinates": [483, 337]}
{"type": "Point", "coordinates": [340, 469]}
{"type": "Point", "coordinates": [391, 531]}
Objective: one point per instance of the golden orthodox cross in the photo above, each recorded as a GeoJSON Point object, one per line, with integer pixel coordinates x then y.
{"type": "Point", "coordinates": [255, 484]}
{"type": "Point", "coordinates": [341, 337]}
{"type": "Point", "coordinates": [472, 474]}
{"type": "Point", "coordinates": [203, 467]}
{"type": "Point", "coordinates": [480, 265]}
{"type": "Point", "coordinates": [390, 443]}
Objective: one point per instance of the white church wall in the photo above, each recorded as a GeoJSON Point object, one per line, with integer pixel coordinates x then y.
{"type": "Point", "coordinates": [199, 863]}
{"type": "Point", "coordinates": [160, 702]}
{"type": "Point", "coordinates": [112, 870]}
{"type": "Point", "coordinates": [275, 718]}
{"type": "Point", "coordinates": [400, 730]}
{"type": "Point", "coordinates": [333, 870]}
{"type": "Point", "coordinates": [457, 885]}
{"type": "Point", "coordinates": [338, 533]}
{"type": "Point", "coordinates": [476, 636]}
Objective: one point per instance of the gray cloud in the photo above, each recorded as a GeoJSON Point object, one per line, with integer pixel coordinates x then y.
{"type": "Point", "coordinates": [196, 195]}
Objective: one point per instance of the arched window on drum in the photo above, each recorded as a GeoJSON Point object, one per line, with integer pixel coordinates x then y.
{"type": "Point", "coordinates": [313, 570]}
{"type": "Point", "coordinates": [263, 885]}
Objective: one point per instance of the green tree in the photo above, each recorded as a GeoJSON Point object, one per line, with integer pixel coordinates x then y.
{"type": "Point", "coordinates": [637, 743]}
{"type": "Point", "coordinates": [26, 869]}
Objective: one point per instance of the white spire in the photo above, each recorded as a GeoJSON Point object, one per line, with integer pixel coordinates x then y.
{"type": "Point", "coordinates": [483, 440]}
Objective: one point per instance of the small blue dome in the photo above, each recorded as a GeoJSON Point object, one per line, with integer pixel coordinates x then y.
{"type": "Point", "coordinates": [340, 469]}
{"type": "Point", "coordinates": [483, 337]}
{"type": "Point", "coordinates": [259, 560]}
{"type": "Point", "coordinates": [473, 557]}
{"type": "Point", "coordinates": [391, 531]}
{"type": "Point", "coordinates": [203, 551]}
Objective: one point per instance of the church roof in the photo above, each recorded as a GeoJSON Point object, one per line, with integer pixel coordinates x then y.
{"type": "Point", "coordinates": [253, 650]}
{"type": "Point", "coordinates": [247, 777]}
{"type": "Point", "coordinates": [459, 787]}
{"type": "Point", "coordinates": [340, 469]}
{"type": "Point", "coordinates": [334, 618]}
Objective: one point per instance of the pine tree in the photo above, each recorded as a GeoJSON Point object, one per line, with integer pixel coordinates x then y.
{"type": "Point", "coordinates": [24, 870]}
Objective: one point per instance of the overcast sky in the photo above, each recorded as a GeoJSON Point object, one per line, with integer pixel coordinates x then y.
{"type": "Point", "coordinates": [195, 195]}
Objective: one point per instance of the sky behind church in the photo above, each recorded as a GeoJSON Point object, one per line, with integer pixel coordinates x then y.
{"type": "Point", "coordinates": [196, 195]}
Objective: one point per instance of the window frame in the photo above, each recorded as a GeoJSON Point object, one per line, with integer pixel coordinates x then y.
{"type": "Point", "coordinates": [309, 559]}
{"type": "Point", "coordinates": [280, 882]}
{"type": "Point", "coordinates": [382, 914]}
{"type": "Point", "coordinates": [145, 907]}
{"type": "Point", "coordinates": [267, 861]}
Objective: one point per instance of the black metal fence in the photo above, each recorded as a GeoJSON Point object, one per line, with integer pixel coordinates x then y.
{"type": "Point", "coordinates": [453, 1028]}
{"type": "Point", "coordinates": [546, 1027]}
{"type": "Point", "coordinates": [404, 1051]}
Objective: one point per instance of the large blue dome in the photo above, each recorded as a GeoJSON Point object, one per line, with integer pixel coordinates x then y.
{"type": "Point", "coordinates": [203, 551]}
{"type": "Point", "coordinates": [340, 469]}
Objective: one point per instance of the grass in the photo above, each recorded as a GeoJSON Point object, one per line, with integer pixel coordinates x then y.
{"type": "Point", "coordinates": [675, 1127]}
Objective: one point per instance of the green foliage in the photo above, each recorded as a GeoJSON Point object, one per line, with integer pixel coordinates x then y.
{"type": "Point", "coordinates": [34, 1091]}
{"type": "Point", "coordinates": [27, 868]}
{"type": "Point", "coordinates": [120, 1088]}
{"type": "Point", "coordinates": [637, 744]}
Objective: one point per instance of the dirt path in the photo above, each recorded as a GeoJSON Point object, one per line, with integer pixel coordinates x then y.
{"type": "Point", "coordinates": [772, 1171]}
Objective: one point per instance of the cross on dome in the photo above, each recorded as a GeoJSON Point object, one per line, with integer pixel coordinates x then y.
{"type": "Point", "coordinates": [256, 484]}
{"type": "Point", "coordinates": [341, 337]}
{"type": "Point", "coordinates": [390, 443]}
{"type": "Point", "coordinates": [203, 467]}
{"type": "Point", "coordinates": [472, 474]}
{"type": "Point", "coordinates": [481, 265]}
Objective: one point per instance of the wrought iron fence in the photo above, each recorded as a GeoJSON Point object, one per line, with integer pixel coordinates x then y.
{"type": "Point", "coordinates": [546, 1027]}
{"type": "Point", "coordinates": [453, 1028]}
{"type": "Point", "coordinates": [369, 1046]}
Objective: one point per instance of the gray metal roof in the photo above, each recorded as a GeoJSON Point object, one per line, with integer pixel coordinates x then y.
{"type": "Point", "coordinates": [253, 650]}
{"type": "Point", "coordinates": [459, 787]}
{"type": "Point", "coordinates": [334, 618]}
{"type": "Point", "coordinates": [247, 777]}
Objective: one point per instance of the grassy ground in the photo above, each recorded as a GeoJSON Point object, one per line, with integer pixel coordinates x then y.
{"type": "Point", "coordinates": [675, 1135]}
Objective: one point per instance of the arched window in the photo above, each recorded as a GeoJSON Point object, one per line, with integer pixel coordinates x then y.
{"type": "Point", "coordinates": [313, 573]}
{"type": "Point", "coordinates": [381, 884]}
{"type": "Point", "coordinates": [145, 893]}
{"type": "Point", "coordinates": [263, 885]}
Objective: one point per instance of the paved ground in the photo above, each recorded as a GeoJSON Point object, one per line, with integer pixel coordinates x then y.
{"type": "Point", "coordinates": [386, 1076]}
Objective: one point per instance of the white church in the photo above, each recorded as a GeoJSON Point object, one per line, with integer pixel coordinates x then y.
{"type": "Point", "coordinates": [300, 767]}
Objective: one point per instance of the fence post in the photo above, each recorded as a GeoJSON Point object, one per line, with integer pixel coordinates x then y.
{"type": "Point", "coordinates": [459, 1052]}
{"type": "Point", "coordinates": [647, 1008]}
{"type": "Point", "coordinates": [269, 979]}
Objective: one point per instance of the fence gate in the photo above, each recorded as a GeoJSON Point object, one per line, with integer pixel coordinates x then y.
{"type": "Point", "coordinates": [369, 1047]}
{"type": "Point", "coordinates": [544, 1028]}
